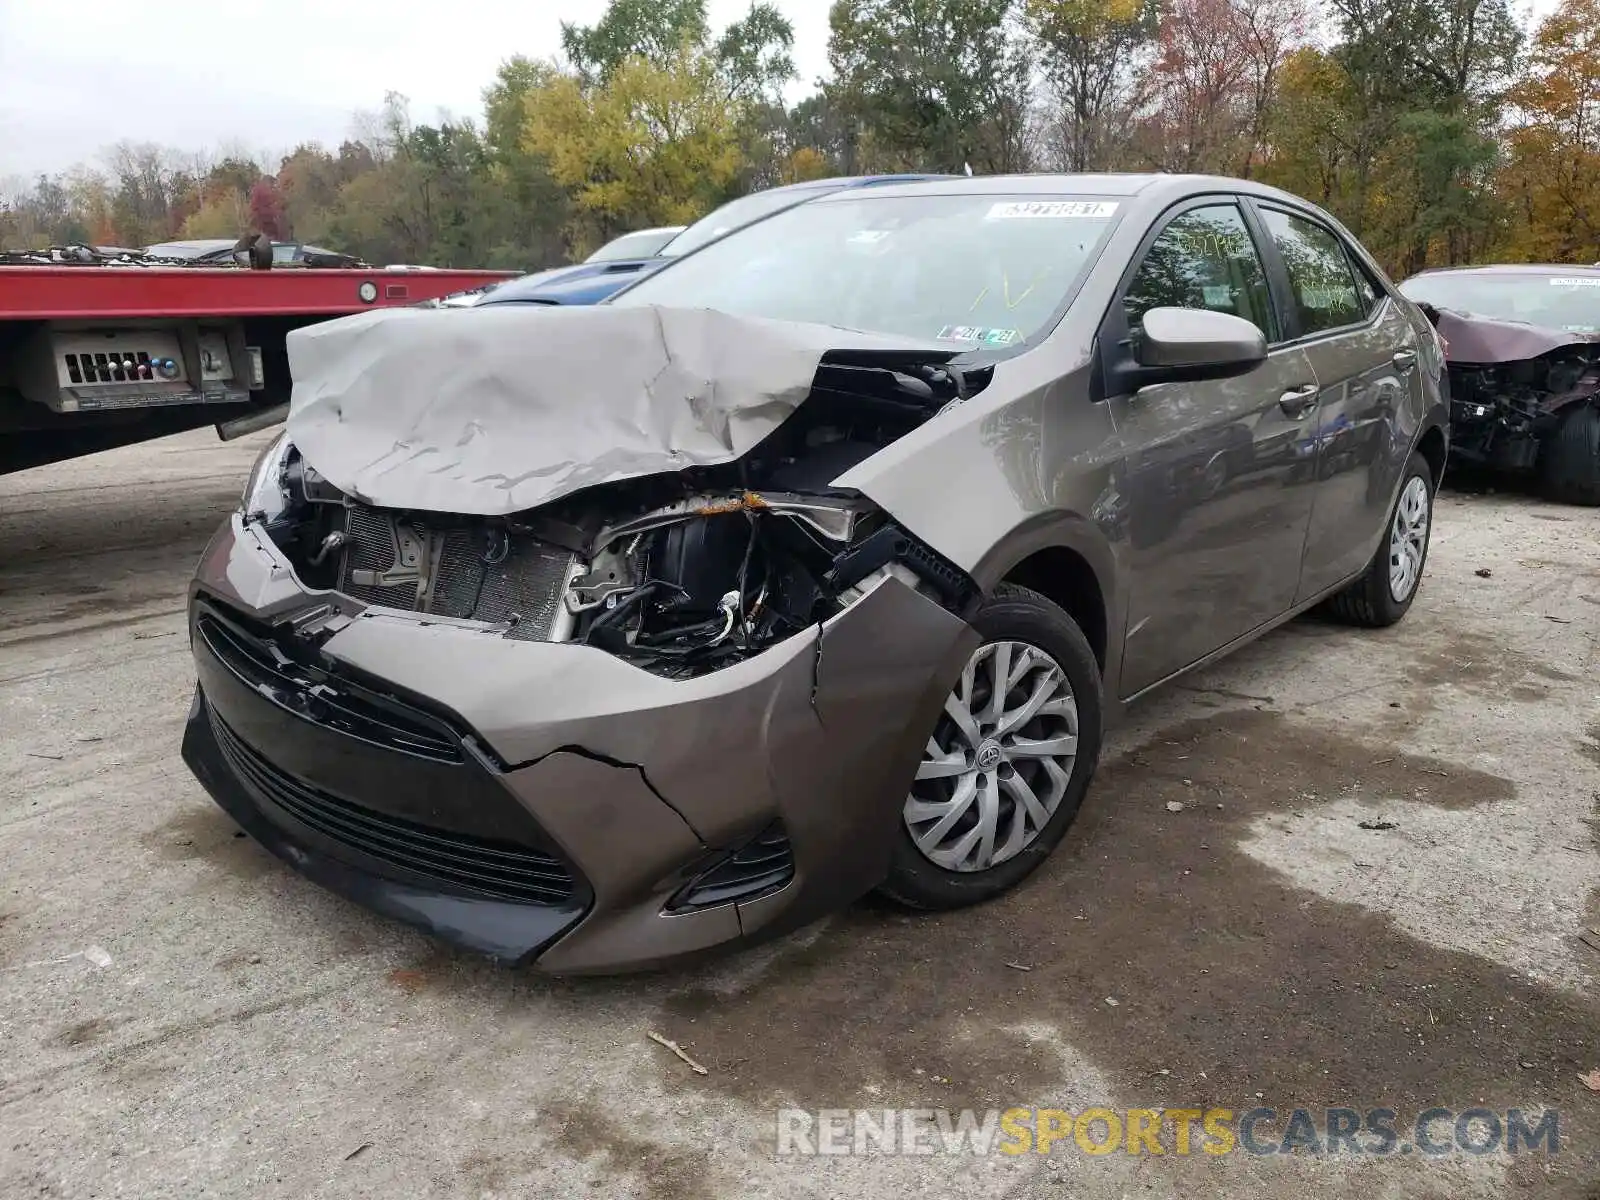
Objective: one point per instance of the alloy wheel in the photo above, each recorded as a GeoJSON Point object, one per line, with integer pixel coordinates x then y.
{"type": "Point", "coordinates": [1408, 538]}
{"type": "Point", "coordinates": [999, 761]}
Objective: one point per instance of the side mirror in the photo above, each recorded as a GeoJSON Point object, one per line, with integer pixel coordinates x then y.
{"type": "Point", "coordinates": [1195, 343]}
{"type": "Point", "coordinates": [1186, 345]}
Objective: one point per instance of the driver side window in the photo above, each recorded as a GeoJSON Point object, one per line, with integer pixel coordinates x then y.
{"type": "Point", "coordinates": [1204, 258]}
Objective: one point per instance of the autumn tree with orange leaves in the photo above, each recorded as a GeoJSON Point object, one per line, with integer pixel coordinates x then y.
{"type": "Point", "coordinates": [1552, 174]}
{"type": "Point", "coordinates": [1206, 95]}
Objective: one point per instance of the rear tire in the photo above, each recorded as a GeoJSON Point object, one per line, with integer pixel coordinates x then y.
{"type": "Point", "coordinates": [1385, 591]}
{"type": "Point", "coordinates": [1001, 763]}
{"type": "Point", "coordinates": [1569, 460]}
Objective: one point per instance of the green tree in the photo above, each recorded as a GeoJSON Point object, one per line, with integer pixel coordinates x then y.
{"type": "Point", "coordinates": [651, 29]}
{"type": "Point", "coordinates": [657, 144]}
{"type": "Point", "coordinates": [932, 84]}
{"type": "Point", "coordinates": [141, 203]}
{"type": "Point", "coordinates": [756, 55]}
{"type": "Point", "coordinates": [309, 179]}
{"type": "Point", "coordinates": [822, 124]}
{"type": "Point", "coordinates": [539, 207]}
{"type": "Point", "coordinates": [226, 214]}
{"type": "Point", "coordinates": [1422, 74]}
{"type": "Point", "coordinates": [429, 197]}
{"type": "Point", "coordinates": [1310, 132]}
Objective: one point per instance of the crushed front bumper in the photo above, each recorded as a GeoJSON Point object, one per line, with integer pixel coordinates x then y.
{"type": "Point", "coordinates": [550, 802]}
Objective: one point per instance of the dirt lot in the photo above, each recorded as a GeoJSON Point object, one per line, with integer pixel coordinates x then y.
{"type": "Point", "coordinates": [180, 1015]}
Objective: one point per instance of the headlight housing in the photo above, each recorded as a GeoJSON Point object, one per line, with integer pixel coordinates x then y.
{"type": "Point", "coordinates": [266, 492]}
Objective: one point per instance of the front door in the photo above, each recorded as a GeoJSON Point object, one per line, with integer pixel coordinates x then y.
{"type": "Point", "coordinates": [1215, 473]}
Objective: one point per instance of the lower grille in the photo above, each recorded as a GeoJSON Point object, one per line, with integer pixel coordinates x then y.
{"type": "Point", "coordinates": [501, 870]}
{"type": "Point", "coordinates": [479, 573]}
{"type": "Point", "coordinates": [756, 869]}
{"type": "Point", "coordinates": [261, 665]}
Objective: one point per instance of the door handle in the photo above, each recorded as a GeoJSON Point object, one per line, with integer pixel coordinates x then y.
{"type": "Point", "coordinates": [1297, 402]}
{"type": "Point", "coordinates": [1404, 360]}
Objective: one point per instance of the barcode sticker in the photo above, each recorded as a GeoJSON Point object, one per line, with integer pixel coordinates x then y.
{"type": "Point", "coordinates": [1011, 210]}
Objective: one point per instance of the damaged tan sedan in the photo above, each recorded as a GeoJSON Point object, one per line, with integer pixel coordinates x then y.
{"type": "Point", "coordinates": [813, 564]}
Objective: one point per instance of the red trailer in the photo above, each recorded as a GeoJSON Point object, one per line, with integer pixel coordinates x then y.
{"type": "Point", "coordinates": [101, 354]}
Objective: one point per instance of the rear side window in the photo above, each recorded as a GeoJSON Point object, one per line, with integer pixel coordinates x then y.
{"type": "Point", "coordinates": [1204, 258]}
{"type": "Point", "coordinates": [1320, 276]}
{"type": "Point", "coordinates": [1366, 289]}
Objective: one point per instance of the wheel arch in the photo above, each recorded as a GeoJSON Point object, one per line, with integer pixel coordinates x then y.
{"type": "Point", "coordinates": [1066, 559]}
{"type": "Point", "coordinates": [1064, 577]}
{"type": "Point", "coordinates": [1434, 446]}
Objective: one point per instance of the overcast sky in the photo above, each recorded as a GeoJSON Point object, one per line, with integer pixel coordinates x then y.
{"type": "Point", "coordinates": [78, 75]}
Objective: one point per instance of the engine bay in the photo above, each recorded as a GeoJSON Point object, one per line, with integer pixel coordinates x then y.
{"type": "Point", "coordinates": [680, 574]}
{"type": "Point", "coordinates": [1505, 399]}
{"type": "Point", "coordinates": [1499, 411]}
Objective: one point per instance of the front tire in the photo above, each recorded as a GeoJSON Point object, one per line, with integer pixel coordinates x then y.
{"type": "Point", "coordinates": [1008, 762]}
{"type": "Point", "coordinates": [1384, 593]}
{"type": "Point", "coordinates": [1569, 461]}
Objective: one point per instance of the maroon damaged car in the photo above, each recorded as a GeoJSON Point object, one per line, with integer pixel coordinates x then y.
{"type": "Point", "coordinates": [1523, 347]}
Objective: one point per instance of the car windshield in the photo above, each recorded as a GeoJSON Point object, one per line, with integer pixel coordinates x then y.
{"type": "Point", "coordinates": [646, 243]}
{"type": "Point", "coordinates": [736, 214]}
{"type": "Point", "coordinates": [980, 269]}
{"type": "Point", "coordinates": [1556, 301]}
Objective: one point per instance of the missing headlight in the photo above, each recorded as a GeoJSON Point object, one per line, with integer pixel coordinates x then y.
{"type": "Point", "coordinates": [266, 493]}
{"type": "Point", "coordinates": [707, 581]}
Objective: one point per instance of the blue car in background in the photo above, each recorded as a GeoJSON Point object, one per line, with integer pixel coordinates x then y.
{"type": "Point", "coordinates": [595, 280]}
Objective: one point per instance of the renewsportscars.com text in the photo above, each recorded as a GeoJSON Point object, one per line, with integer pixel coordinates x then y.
{"type": "Point", "coordinates": [1260, 1131]}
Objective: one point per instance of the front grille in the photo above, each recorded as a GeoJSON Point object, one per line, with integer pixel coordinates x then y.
{"type": "Point", "coordinates": [756, 869]}
{"type": "Point", "coordinates": [482, 866]}
{"type": "Point", "coordinates": [480, 572]}
{"type": "Point", "coordinates": [338, 704]}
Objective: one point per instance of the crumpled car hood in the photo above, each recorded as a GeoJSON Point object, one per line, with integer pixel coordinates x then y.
{"type": "Point", "coordinates": [1483, 340]}
{"type": "Point", "coordinates": [493, 410]}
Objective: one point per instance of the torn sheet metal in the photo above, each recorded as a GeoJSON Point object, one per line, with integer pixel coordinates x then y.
{"type": "Point", "coordinates": [1483, 340]}
{"type": "Point", "coordinates": [497, 410]}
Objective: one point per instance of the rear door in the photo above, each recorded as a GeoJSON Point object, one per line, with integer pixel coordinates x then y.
{"type": "Point", "coordinates": [1216, 501]}
{"type": "Point", "coordinates": [1363, 351]}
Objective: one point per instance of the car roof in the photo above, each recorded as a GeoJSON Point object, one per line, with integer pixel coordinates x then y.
{"type": "Point", "coordinates": [852, 181]}
{"type": "Point", "coordinates": [1155, 187]}
{"type": "Point", "coordinates": [1515, 269]}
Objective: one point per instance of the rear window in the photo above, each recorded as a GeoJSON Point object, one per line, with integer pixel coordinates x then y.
{"type": "Point", "coordinates": [1321, 279]}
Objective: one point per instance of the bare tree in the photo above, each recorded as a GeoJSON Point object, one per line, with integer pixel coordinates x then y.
{"type": "Point", "coordinates": [1091, 51]}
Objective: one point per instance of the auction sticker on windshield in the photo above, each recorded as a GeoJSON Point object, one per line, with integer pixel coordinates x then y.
{"type": "Point", "coordinates": [1014, 209]}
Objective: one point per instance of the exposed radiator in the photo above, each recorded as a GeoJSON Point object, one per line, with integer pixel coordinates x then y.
{"type": "Point", "coordinates": [478, 572]}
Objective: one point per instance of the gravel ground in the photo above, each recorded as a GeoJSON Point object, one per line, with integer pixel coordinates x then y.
{"type": "Point", "coordinates": [181, 1015]}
